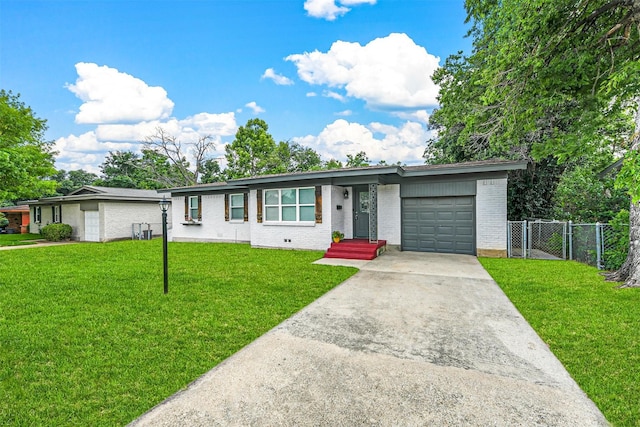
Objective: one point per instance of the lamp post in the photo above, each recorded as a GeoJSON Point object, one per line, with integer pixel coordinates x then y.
{"type": "Point", "coordinates": [164, 205]}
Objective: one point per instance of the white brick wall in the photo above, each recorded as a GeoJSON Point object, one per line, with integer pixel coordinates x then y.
{"type": "Point", "coordinates": [71, 215]}
{"type": "Point", "coordinates": [116, 218]}
{"type": "Point", "coordinates": [491, 214]}
{"type": "Point", "coordinates": [302, 236]}
{"type": "Point", "coordinates": [389, 212]}
{"type": "Point", "coordinates": [338, 217]}
{"type": "Point", "coordinates": [213, 227]}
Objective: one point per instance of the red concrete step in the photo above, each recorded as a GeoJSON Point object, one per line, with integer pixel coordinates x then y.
{"type": "Point", "coordinates": [355, 249]}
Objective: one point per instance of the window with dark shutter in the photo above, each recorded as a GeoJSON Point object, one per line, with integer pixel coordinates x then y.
{"type": "Point", "coordinates": [246, 207]}
{"type": "Point", "coordinates": [318, 204]}
{"type": "Point", "coordinates": [259, 205]}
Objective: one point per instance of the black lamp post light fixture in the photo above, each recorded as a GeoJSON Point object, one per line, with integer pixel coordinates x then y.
{"type": "Point", "coordinates": [164, 205]}
{"type": "Point", "coordinates": [346, 193]}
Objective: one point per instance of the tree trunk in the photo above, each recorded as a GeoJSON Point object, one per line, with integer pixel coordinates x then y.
{"type": "Point", "coordinates": [629, 272]}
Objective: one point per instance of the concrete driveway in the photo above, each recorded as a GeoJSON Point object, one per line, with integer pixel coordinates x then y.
{"type": "Point", "coordinates": [412, 339]}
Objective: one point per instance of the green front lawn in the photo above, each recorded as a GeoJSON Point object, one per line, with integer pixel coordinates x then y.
{"type": "Point", "coordinates": [18, 239]}
{"type": "Point", "coordinates": [592, 327]}
{"type": "Point", "coordinates": [87, 336]}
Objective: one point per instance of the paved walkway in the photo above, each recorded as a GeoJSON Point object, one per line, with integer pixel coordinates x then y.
{"type": "Point", "coordinates": [411, 340]}
{"type": "Point", "coordinates": [38, 244]}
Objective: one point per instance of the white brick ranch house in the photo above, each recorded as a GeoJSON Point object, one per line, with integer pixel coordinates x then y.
{"type": "Point", "coordinates": [455, 208]}
{"type": "Point", "coordinates": [98, 214]}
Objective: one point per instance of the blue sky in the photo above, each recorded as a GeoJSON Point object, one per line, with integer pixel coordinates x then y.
{"type": "Point", "coordinates": [339, 76]}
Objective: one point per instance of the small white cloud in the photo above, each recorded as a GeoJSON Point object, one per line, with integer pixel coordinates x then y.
{"type": "Point", "coordinates": [334, 95]}
{"type": "Point", "coordinates": [344, 113]}
{"type": "Point", "coordinates": [356, 2]}
{"type": "Point", "coordinates": [255, 107]}
{"type": "Point", "coordinates": [278, 79]}
{"type": "Point", "coordinates": [418, 115]}
{"type": "Point", "coordinates": [405, 143]}
{"type": "Point", "coordinates": [113, 97]}
{"type": "Point", "coordinates": [389, 73]}
{"type": "Point", "coordinates": [329, 10]}
{"type": "Point", "coordinates": [311, 94]}
{"type": "Point", "coordinates": [325, 9]}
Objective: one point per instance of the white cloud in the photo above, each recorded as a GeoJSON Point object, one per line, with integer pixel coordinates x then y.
{"type": "Point", "coordinates": [119, 130]}
{"type": "Point", "coordinates": [311, 94]}
{"type": "Point", "coordinates": [255, 107]}
{"type": "Point", "coordinates": [84, 151]}
{"type": "Point", "coordinates": [334, 95]}
{"type": "Point", "coordinates": [329, 10]}
{"type": "Point", "coordinates": [325, 9]}
{"type": "Point", "coordinates": [113, 97]}
{"type": "Point", "coordinates": [405, 143]}
{"type": "Point", "coordinates": [278, 79]}
{"type": "Point", "coordinates": [421, 116]}
{"type": "Point", "coordinates": [390, 72]}
{"type": "Point", "coordinates": [344, 113]}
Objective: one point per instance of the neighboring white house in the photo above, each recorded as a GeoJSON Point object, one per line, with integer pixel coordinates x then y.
{"type": "Point", "coordinates": [457, 208]}
{"type": "Point", "coordinates": [100, 214]}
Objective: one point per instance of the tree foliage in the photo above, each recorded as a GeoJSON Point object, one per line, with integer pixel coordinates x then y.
{"type": "Point", "coordinates": [357, 160]}
{"type": "Point", "coordinates": [26, 157]}
{"type": "Point", "coordinates": [168, 147]}
{"type": "Point", "coordinates": [72, 180]}
{"type": "Point", "coordinates": [293, 157]}
{"type": "Point", "coordinates": [546, 79]}
{"type": "Point", "coordinates": [253, 151]}
{"type": "Point", "coordinates": [583, 195]}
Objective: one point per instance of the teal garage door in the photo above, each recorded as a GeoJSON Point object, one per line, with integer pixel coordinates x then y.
{"type": "Point", "coordinates": [439, 224]}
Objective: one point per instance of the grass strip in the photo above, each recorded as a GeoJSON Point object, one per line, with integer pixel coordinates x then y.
{"type": "Point", "coordinates": [87, 336]}
{"type": "Point", "coordinates": [590, 325]}
{"type": "Point", "coordinates": [18, 239]}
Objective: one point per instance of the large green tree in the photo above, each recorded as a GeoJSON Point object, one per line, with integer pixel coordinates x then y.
{"type": "Point", "coordinates": [26, 157]}
{"type": "Point", "coordinates": [253, 151]}
{"type": "Point", "coordinates": [152, 170]}
{"type": "Point", "coordinates": [293, 157]}
{"type": "Point", "coordinates": [546, 79]}
{"type": "Point", "coordinates": [72, 180]}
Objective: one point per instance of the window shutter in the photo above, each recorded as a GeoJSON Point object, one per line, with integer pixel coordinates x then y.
{"type": "Point", "coordinates": [246, 207]}
{"type": "Point", "coordinates": [53, 214]}
{"type": "Point", "coordinates": [259, 203]}
{"type": "Point", "coordinates": [60, 214]}
{"type": "Point", "coordinates": [318, 204]}
{"type": "Point", "coordinates": [226, 207]}
{"type": "Point", "coordinates": [199, 208]}
{"type": "Point", "coordinates": [186, 208]}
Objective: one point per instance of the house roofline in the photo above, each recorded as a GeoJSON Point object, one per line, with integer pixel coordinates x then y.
{"type": "Point", "coordinates": [96, 197]}
{"type": "Point", "coordinates": [335, 175]}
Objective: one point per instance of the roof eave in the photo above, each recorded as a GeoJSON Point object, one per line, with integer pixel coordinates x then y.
{"type": "Point", "coordinates": [320, 175]}
{"type": "Point", "coordinates": [457, 169]}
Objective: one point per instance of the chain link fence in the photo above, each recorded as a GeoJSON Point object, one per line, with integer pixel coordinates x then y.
{"type": "Point", "coordinates": [603, 246]}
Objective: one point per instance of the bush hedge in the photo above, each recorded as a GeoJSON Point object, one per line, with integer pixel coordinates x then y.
{"type": "Point", "coordinates": [56, 232]}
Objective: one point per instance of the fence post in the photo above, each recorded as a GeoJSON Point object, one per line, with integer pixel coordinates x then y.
{"type": "Point", "coordinates": [598, 247]}
{"type": "Point", "coordinates": [525, 243]}
{"type": "Point", "coordinates": [564, 241]}
{"type": "Point", "coordinates": [509, 239]}
{"type": "Point", "coordinates": [570, 237]}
